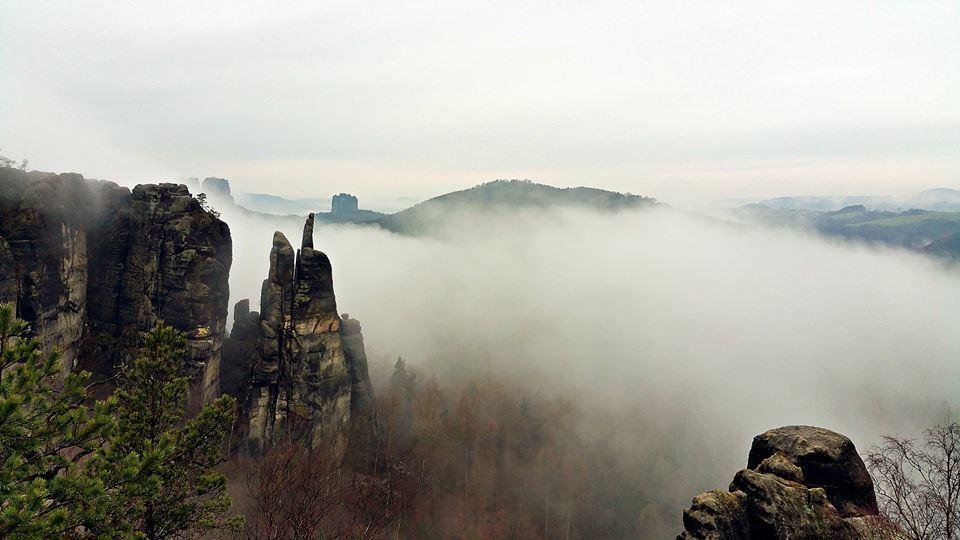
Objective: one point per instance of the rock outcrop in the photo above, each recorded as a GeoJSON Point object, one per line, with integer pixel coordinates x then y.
{"type": "Point", "coordinates": [217, 189]}
{"type": "Point", "coordinates": [306, 373]}
{"type": "Point", "coordinates": [92, 265]}
{"type": "Point", "coordinates": [344, 204]}
{"type": "Point", "coordinates": [801, 482]}
{"type": "Point", "coordinates": [361, 392]}
{"type": "Point", "coordinates": [240, 350]}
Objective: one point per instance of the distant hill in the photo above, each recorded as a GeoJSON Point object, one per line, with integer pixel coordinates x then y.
{"type": "Point", "coordinates": [272, 204]}
{"type": "Point", "coordinates": [423, 218]}
{"type": "Point", "coordinates": [939, 199]}
{"type": "Point", "coordinates": [501, 195]}
{"type": "Point", "coordinates": [931, 232]}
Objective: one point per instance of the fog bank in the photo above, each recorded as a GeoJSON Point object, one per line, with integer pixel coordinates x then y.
{"type": "Point", "coordinates": [708, 333]}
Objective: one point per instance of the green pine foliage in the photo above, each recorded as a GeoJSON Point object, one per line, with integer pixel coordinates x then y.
{"type": "Point", "coordinates": [47, 435]}
{"type": "Point", "coordinates": [129, 466]}
{"type": "Point", "coordinates": [165, 466]}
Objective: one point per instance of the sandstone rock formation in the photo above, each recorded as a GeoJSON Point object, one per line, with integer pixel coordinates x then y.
{"type": "Point", "coordinates": [305, 373]}
{"type": "Point", "coordinates": [801, 482]}
{"type": "Point", "coordinates": [217, 189]}
{"type": "Point", "coordinates": [92, 265]}
{"type": "Point", "coordinates": [344, 204]}
{"type": "Point", "coordinates": [361, 392]}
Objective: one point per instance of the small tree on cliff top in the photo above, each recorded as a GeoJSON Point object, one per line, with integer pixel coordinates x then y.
{"type": "Point", "coordinates": [165, 466]}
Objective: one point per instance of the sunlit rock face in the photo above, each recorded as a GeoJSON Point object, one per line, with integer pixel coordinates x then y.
{"type": "Point", "coordinates": [301, 381]}
{"type": "Point", "coordinates": [801, 482]}
{"type": "Point", "coordinates": [91, 266]}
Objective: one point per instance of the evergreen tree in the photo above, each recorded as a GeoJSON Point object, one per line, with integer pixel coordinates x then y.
{"type": "Point", "coordinates": [47, 434]}
{"type": "Point", "coordinates": [403, 382]}
{"type": "Point", "coordinates": [164, 465]}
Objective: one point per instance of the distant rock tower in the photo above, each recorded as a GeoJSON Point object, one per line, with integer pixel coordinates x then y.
{"type": "Point", "coordinates": [217, 189]}
{"type": "Point", "coordinates": [344, 204]}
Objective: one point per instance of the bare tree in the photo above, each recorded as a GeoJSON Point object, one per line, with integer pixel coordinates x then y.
{"type": "Point", "coordinates": [296, 494]}
{"type": "Point", "coordinates": [918, 482]}
{"type": "Point", "coordinates": [9, 162]}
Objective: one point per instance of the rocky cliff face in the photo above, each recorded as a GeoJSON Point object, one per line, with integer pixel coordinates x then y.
{"type": "Point", "coordinates": [305, 373]}
{"type": "Point", "coordinates": [92, 265]}
{"type": "Point", "coordinates": [801, 482]}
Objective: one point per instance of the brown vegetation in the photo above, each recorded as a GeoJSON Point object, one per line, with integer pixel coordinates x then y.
{"type": "Point", "coordinates": [478, 459]}
{"type": "Point", "coordinates": [918, 482]}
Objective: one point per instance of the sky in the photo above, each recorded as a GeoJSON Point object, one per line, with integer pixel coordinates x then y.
{"type": "Point", "coordinates": [685, 101]}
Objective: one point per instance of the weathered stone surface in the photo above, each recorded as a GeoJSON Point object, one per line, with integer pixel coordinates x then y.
{"type": "Point", "coordinates": [301, 383]}
{"type": "Point", "coordinates": [240, 350]}
{"type": "Point", "coordinates": [780, 465]}
{"type": "Point", "coordinates": [307, 240]}
{"type": "Point", "coordinates": [93, 265]}
{"type": "Point", "coordinates": [780, 508]}
{"type": "Point", "coordinates": [717, 515]}
{"type": "Point", "coordinates": [361, 394]}
{"type": "Point", "coordinates": [827, 459]}
{"type": "Point", "coordinates": [45, 223]}
{"type": "Point", "coordinates": [797, 480]}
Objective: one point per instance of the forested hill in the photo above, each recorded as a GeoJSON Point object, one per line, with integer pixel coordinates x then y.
{"type": "Point", "coordinates": [500, 195]}
{"type": "Point", "coordinates": [935, 233]}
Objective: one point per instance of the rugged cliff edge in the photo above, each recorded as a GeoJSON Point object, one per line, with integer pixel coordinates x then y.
{"type": "Point", "coordinates": [92, 265]}
{"type": "Point", "coordinates": [801, 482]}
{"type": "Point", "coordinates": [297, 368]}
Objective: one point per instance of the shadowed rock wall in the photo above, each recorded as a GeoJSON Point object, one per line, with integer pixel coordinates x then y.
{"type": "Point", "coordinates": [92, 265]}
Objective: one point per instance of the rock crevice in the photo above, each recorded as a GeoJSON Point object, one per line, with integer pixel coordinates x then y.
{"type": "Point", "coordinates": [305, 367]}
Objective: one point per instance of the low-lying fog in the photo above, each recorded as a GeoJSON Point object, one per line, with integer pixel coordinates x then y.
{"type": "Point", "coordinates": [707, 333]}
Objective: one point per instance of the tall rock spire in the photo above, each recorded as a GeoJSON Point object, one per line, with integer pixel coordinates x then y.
{"type": "Point", "coordinates": [301, 384]}
{"type": "Point", "coordinates": [307, 241]}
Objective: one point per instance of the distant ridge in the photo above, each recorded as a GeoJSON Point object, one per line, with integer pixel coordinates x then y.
{"type": "Point", "coordinates": [937, 199]}
{"type": "Point", "coordinates": [505, 195]}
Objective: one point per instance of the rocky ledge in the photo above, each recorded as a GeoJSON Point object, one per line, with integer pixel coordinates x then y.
{"type": "Point", "coordinates": [801, 482]}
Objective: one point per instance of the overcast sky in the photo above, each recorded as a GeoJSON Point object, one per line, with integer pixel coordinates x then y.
{"type": "Point", "coordinates": [684, 101]}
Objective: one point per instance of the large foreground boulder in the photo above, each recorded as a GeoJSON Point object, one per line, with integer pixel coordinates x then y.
{"type": "Point", "coordinates": [826, 459]}
{"type": "Point", "coordinates": [801, 482]}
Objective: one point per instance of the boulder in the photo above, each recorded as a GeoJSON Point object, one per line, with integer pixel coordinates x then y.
{"type": "Point", "coordinates": [801, 482]}
{"type": "Point", "coordinates": [826, 459]}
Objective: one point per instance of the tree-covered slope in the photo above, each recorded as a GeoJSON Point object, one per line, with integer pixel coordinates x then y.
{"type": "Point", "coordinates": [507, 195]}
